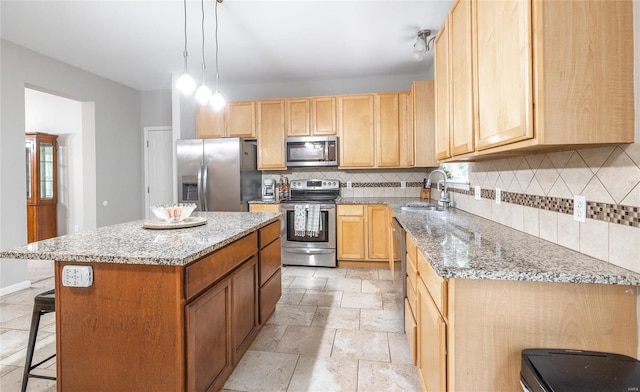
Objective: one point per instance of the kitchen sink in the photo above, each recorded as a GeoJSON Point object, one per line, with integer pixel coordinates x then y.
{"type": "Point", "coordinates": [421, 207]}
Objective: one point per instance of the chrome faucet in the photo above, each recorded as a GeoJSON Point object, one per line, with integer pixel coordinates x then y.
{"type": "Point", "coordinates": [444, 196]}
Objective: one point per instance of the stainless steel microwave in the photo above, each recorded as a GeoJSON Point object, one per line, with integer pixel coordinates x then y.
{"type": "Point", "coordinates": [311, 151]}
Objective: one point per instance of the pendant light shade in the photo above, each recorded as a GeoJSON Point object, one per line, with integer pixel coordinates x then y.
{"type": "Point", "coordinates": [185, 84]}
{"type": "Point", "coordinates": [217, 101]}
{"type": "Point", "coordinates": [203, 94]}
{"type": "Point", "coordinates": [421, 46]}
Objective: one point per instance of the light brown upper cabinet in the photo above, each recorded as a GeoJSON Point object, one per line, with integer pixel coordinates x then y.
{"type": "Point", "coordinates": [356, 131]}
{"type": "Point", "coordinates": [441, 75]}
{"type": "Point", "coordinates": [240, 119]}
{"type": "Point", "coordinates": [422, 126]}
{"type": "Point", "coordinates": [461, 124]}
{"type": "Point", "coordinates": [271, 134]}
{"type": "Point", "coordinates": [209, 122]}
{"type": "Point", "coordinates": [323, 116]}
{"type": "Point", "coordinates": [546, 75]}
{"type": "Point", "coordinates": [387, 126]}
{"type": "Point", "coordinates": [298, 116]}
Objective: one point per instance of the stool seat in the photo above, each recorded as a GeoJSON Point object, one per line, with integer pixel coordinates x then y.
{"type": "Point", "coordinates": [43, 303]}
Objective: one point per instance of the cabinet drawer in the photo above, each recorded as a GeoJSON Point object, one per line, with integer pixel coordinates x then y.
{"type": "Point", "coordinates": [203, 273]}
{"type": "Point", "coordinates": [412, 297]}
{"type": "Point", "coordinates": [412, 271]}
{"type": "Point", "coordinates": [346, 209]}
{"type": "Point", "coordinates": [270, 295]}
{"type": "Point", "coordinates": [269, 233]}
{"type": "Point", "coordinates": [264, 207]}
{"type": "Point", "coordinates": [270, 260]}
{"type": "Point", "coordinates": [436, 285]}
{"type": "Point", "coordinates": [411, 329]}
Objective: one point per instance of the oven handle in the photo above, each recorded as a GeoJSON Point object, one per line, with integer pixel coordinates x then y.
{"type": "Point", "coordinates": [307, 251]}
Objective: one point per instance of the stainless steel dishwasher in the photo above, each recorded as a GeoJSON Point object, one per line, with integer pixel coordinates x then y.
{"type": "Point", "coordinates": [400, 244]}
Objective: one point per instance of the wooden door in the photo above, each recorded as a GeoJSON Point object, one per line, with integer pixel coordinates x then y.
{"type": "Point", "coordinates": [462, 121]}
{"type": "Point", "coordinates": [209, 122]}
{"type": "Point", "coordinates": [423, 117]}
{"type": "Point", "coordinates": [352, 232]}
{"type": "Point", "coordinates": [240, 119]}
{"type": "Point", "coordinates": [387, 126]}
{"type": "Point", "coordinates": [503, 72]}
{"type": "Point", "coordinates": [208, 332]}
{"type": "Point", "coordinates": [378, 228]}
{"type": "Point", "coordinates": [244, 306]}
{"type": "Point", "coordinates": [323, 116]}
{"type": "Point", "coordinates": [356, 131]}
{"type": "Point", "coordinates": [271, 135]}
{"type": "Point", "coordinates": [441, 77]}
{"type": "Point", "coordinates": [297, 117]}
{"type": "Point", "coordinates": [432, 343]}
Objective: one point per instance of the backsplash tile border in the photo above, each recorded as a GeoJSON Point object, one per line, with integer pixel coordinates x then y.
{"type": "Point", "coordinates": [606, 212]}
{"type": "Point", "coordinates": [381, 184]}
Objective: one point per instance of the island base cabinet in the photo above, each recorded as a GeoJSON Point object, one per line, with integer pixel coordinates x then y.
{"type": "Point", "coordinates": [208, 327]}
{"type": "Point", "coordinates": [244, 306]}
{"type": "Point", "coordinates": [121, 333]}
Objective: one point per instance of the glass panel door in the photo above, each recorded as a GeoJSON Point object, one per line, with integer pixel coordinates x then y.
{"type": "Point", "coordinates": [46, 171]}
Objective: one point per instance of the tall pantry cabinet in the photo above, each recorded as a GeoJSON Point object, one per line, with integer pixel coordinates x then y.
{"type": "Point", "coordinates": [42, 183]}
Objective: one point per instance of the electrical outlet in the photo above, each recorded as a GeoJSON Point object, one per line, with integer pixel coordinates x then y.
{"type": "Point", "coordinates": [498, 196]}
{"type": "Point", "coordinates": [348, 184]}
{"type": "Point", "coordinates": [476, 192]}
{"type": "Point", "coordinates": [403, 184]}
{"type": "Point", "coordinates": [77, 275]}
{"type": "Point", "coordinates": [579, 208]}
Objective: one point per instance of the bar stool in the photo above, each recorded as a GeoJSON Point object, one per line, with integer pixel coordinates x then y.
{"type": "Point", "coordinates": [43, 303]}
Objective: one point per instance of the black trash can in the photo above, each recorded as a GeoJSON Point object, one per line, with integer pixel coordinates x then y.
{"type": "Point", "coordinates": [557, 370]}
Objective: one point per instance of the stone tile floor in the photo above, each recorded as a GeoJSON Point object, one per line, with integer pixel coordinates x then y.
{"type": "Point", "coordinates": [333, 330]}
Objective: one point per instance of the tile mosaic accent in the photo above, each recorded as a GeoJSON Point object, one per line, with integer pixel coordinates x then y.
{"type": "Point", "coordinates": [614, 213]}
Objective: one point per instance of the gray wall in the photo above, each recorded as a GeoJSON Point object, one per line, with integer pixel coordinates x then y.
{"type": "Point", "coordinates": [118, 140]}
{"type": "Point", "coordinates": [155, 108]}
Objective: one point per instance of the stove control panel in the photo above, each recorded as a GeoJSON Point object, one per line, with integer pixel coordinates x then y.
{"type": "Point", "coordinates": [313, 184]}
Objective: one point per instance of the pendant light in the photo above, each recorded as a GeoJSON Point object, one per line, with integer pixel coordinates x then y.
{"type": "Point", "coordinates": [185, 82]}
{"type": "Point", "coordinates": [203, 94]}
{"type": "Point", "coordinates": [217, 100]}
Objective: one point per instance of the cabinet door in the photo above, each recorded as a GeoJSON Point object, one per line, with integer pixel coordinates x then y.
{"type": "Point", "coordinates": [406, 138]}
{"type": "Point", "coordinates": [323, 116]}
{"type": "Point", "coordinates": [351, 231]}
{"type": "Point", "coordinates": [240, 119]}
{"type": "Point", "coordinates": [297, 113]}
{"type": "Point", "coordinates": [209, 122]}
{"type": "Point", "coordinates": [271, 135]}
{"type": "Point", "coordinates": [244, 306]}
{"type": "Point", "coordinates": [462, 122]}
{"type": "Point", "coordinates": [356, 131]}
{"type": "Point", "coordinates": [422, 109]}
{"type": "Point", "coordinates": [387, 126]}
{"type": "Point", "coordinates": [503, 72]}
{"type": "Point", "coordinates": [432, 343]}
{"type": "Point", "coordinates": [208, 333]}
{"type": "Point", "coordinates": [441, 77]}
{"type": "Point", "coordinates": [378, 225]}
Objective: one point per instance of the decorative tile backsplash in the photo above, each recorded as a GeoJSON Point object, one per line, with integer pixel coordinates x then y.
{"type": "Point", "coordinates": [537, 198]}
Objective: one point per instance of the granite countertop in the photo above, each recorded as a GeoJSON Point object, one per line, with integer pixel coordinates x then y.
{"type": "Point", "coordinates": [465, 246]}
{"type": "Point", "coordinates": [260, 201]}
{"type": "Point", "coordinates": [130, 243]}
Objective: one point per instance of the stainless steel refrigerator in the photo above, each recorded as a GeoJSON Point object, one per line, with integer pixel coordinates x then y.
{"type": "Point", "coordinates": [218, 174]}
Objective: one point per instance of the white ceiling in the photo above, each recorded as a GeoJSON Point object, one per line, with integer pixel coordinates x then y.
{"type": "Point", "coordinates": [140, 43]}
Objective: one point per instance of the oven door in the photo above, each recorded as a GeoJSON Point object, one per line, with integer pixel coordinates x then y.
{"type": "Point", "coordinates": [304, 249]}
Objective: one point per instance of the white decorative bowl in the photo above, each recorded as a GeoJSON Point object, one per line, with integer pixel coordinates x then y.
{"type": "Point", "coordinates": [173, 213]}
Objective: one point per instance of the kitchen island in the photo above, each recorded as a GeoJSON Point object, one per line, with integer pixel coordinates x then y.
{"type": "Point", "coordinates": [168, 310]}
{"type": "Point", "coordinates": [479, 292]}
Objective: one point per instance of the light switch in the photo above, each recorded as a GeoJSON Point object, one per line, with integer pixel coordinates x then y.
{"type": "Point", "coordinates": [77, 275]}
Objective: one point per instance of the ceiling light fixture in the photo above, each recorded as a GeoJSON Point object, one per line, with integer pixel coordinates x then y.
{"type": "Point", "coordinates": [203, 94]}
{"type": "Point", "coordinates": [422, 44]}
{"type": "Point", "coordinates": [217, 100]}
{"type": "Point", "coordinates": [185, 82]}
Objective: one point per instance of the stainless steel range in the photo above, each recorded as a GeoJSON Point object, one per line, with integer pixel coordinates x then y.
{"type": "Point", "coordinates": [309, 223]}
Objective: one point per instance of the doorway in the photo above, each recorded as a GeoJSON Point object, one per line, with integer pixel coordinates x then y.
{"type": "Point", "coordinates": [158, 167]}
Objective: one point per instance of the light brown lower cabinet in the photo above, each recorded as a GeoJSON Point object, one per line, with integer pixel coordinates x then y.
{"type": "Point", "coordinates": [363, 235]}
{"type": "Point", "coordinates": [470, 332]}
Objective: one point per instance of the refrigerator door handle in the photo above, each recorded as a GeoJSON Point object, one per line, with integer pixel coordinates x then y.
{"type": "Point", "coordinates": [200, 198]}
{"type": "Point", "coordinates": [205, 185]}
